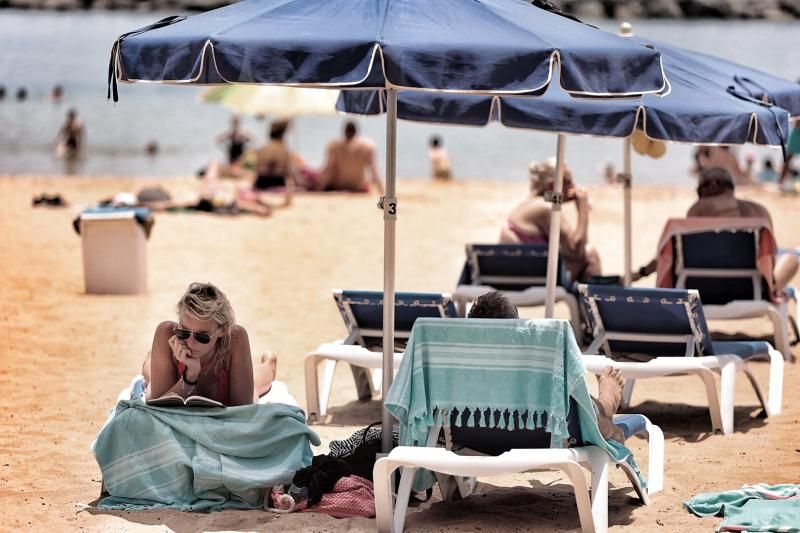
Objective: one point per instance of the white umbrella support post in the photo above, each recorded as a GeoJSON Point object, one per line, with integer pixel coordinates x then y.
{"type": "Point", "coordinates": [388, 204]}
{"type": "Point", "coordinates": [626, 191]}
{"type": "Point", "coordinates": [556, 198]}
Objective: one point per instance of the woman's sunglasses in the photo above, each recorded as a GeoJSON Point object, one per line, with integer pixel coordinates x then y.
{"type": "Point", "coordinates": [202, 337]}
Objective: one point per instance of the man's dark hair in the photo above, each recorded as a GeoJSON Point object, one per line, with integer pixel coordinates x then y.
{"type": "Point", "coordinates": [435, 141]}
{"type": "Point", "coordinates": [714, 181]}
{"type": "Point", "coordinates": [350, 130]}
{"type": "Point", "coordinates": [277, 129]}
{"type": "Point", "coordinates": [493, 305]}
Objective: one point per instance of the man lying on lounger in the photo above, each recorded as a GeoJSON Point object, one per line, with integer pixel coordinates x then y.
{"type": "Point", "coordinates": [495, 305]}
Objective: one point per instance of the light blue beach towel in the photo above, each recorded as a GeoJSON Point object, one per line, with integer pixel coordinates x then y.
{"type": "Point", "coordinates": [521, 366]}
{"type": "Point", "coordinates": [193, 459]}
{"type": "Point", "coordinates": [759, 507]}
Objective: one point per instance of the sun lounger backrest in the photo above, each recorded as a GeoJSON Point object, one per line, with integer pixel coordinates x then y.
{"type": "Point", "coordinates": [493, 441]}
{"type": "Point", "coordinates": [508, 266]}
{"type": "Point", "coordinates": [664, 322]}
{"type": "Point", "coordinates": [362, 312]}
{"type": "Point", "coordinates": [720, 265]}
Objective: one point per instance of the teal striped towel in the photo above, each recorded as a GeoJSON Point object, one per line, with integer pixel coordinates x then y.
{"type": "Point", "coordinates": [758, 507]}
{"type": "Point", "coordinates": [527, 366]}
{"type": "Point", "coordinates": [193, 459]}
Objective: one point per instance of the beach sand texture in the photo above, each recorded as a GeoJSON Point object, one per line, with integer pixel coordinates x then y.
{"type": "Point", "coordinates": [65, 355]}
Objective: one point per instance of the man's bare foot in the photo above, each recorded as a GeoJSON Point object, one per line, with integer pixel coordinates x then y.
{"type": "Point", "coordinates": [610, 384]}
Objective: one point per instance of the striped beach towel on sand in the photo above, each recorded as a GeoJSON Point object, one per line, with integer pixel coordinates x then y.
{"type": "Point", "coordinates": [759, 507]}
{"type": "Point", "coordinates": [531, 367]}
{"type": "Point", "coordinates": [195, 459]}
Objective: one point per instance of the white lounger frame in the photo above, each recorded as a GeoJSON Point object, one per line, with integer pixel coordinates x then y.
{"type": "Point", "coordinates": [592, 504]}
{"type": "Point", "coordinates": [726, 365]}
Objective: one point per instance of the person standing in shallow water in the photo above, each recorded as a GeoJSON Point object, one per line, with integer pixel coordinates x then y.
{"type": "Point", "coordinates": [70, 141]}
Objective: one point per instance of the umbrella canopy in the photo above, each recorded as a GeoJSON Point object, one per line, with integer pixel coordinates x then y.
{"type": "Point", "coordinates": [262, 100]}
{"type": "Point", "coordinates": [492, 46]}
{"type": "Point", "coordinates": [711, 101]}
{"type": "Point", "coordinates": [705, 105]}
{"type": "Point", "coordinates": [504, 46]}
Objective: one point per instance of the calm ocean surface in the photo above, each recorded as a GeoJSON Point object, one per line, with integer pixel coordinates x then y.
{"type": "Point", "coordinates": [41, 49]}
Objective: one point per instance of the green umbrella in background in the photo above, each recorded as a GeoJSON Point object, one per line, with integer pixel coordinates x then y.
{"type": "Point", "coordinates": [277, 101]}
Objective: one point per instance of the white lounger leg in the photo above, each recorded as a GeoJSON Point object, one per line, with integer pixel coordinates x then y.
{"type": "Point", "coordinates": [655, 458]}
{"type": "Point", "coordinates": [727, 390]}
{"type": "Point", "coordinates": [312, 388]}
{"type": "Point", "coordinates": [384, 504]}
{"type": "Point", "coordinates": [775, 382]}
{"type": "Point", "coordinates": [713, 399]}
{"type": "Point", "coordinates": [327, 385]}
{"type": "Point", "coordinates": [600, 462]}
{"type": "Point", "coordinates": [780, 321]}
{"type": "Point", "coordinates": [627, 393]}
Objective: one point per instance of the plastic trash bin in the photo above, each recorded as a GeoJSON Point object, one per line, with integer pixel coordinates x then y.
{"type": "Point", "coordinates": [114, 250]}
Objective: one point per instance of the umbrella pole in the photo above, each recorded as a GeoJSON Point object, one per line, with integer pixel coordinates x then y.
{"type": "Point", "coordinates": [556, 199]}
{"type": "Point", "coordinates": [389, 206]}
{"type": "Point", "coordinates": [627, 210]}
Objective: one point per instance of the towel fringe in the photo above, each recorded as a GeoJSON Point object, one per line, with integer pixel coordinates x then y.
{"type": "Point", "coordinates": [471, 418]}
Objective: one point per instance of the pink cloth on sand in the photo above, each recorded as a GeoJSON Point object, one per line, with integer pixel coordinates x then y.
{"type": "Point", "coordinates": [351, 496]}
{"type": "Point", "coordinates": [681, 226]}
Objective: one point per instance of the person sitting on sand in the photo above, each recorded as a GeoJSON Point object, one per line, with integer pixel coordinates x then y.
{"type": "Point", "coordinates": [274, 163]}
{"type": "Point", "coordinates": [348, 160]}
{"type": "Point", "coordinates": [235, 141]}
{"type": "Point", "coordinates": [716, 198]}
{"type": "Point", "coordinates": [206, 353]}
{"type": "Point", "coordinates": [529, 222]}
{"type": "Point", "coordinates": [610, 383]}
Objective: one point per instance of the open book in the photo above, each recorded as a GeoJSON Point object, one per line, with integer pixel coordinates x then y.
{"type": "Point", "coordinates": [173, 400]}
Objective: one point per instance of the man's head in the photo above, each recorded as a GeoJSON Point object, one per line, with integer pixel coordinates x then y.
{"type": "Point", "coordinates": [714, 181]}
{"type": "Point", "coordinates": [493, 305]}
{"type": "Point", "coordinates": [277, 129]}
{"type": "Point", "coordinates": [350, 130]}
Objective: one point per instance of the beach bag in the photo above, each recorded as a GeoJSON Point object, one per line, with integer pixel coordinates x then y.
{"type": "Point", "coordinates": [360, 449]}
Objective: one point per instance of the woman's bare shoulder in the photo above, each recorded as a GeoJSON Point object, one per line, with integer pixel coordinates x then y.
{"type": "Point", "coordinates": [239, 335]}
{"type": "Point", "coordinates": [165, 329]}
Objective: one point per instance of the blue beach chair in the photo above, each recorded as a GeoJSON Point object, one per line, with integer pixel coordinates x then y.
{"type": "Point", "coordinates": [667, 328]}
{"type": "Point", "coordinates": [721, 266]}
{"type": "Point", "coordinates": [362, 313]}
{"type": "Point", "coordinates": [475, 397]}
{"type": "Point", "coordinates": [519, 271]}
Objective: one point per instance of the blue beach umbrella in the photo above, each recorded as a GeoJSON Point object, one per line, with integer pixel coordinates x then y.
{"type": "Point", "coordinates": [711, 101]}
{"type": "Point", "coordinates": [474, 46]}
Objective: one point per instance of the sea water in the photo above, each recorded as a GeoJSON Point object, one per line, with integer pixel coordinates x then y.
{"type": "Point", "coordinates": [44, 49]}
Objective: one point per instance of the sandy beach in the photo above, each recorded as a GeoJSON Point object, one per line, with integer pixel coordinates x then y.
{"type": "Point", "coordinates": [65, 355]}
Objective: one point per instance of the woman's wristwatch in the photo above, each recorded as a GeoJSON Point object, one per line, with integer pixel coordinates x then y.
{"type": "Point", "coordinates": [186, 380]}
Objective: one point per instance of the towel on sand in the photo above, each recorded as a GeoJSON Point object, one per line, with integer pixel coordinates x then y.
{"type": "Point", "coordinates": [527, 366]}
{"type": "Point", "coordinates": [199, 458]}
{"type": "Point", "coordinates": [759, 507]}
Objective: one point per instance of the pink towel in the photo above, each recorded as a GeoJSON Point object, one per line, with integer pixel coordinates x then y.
{"type": "Point", "coordinates": [352, 496]}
